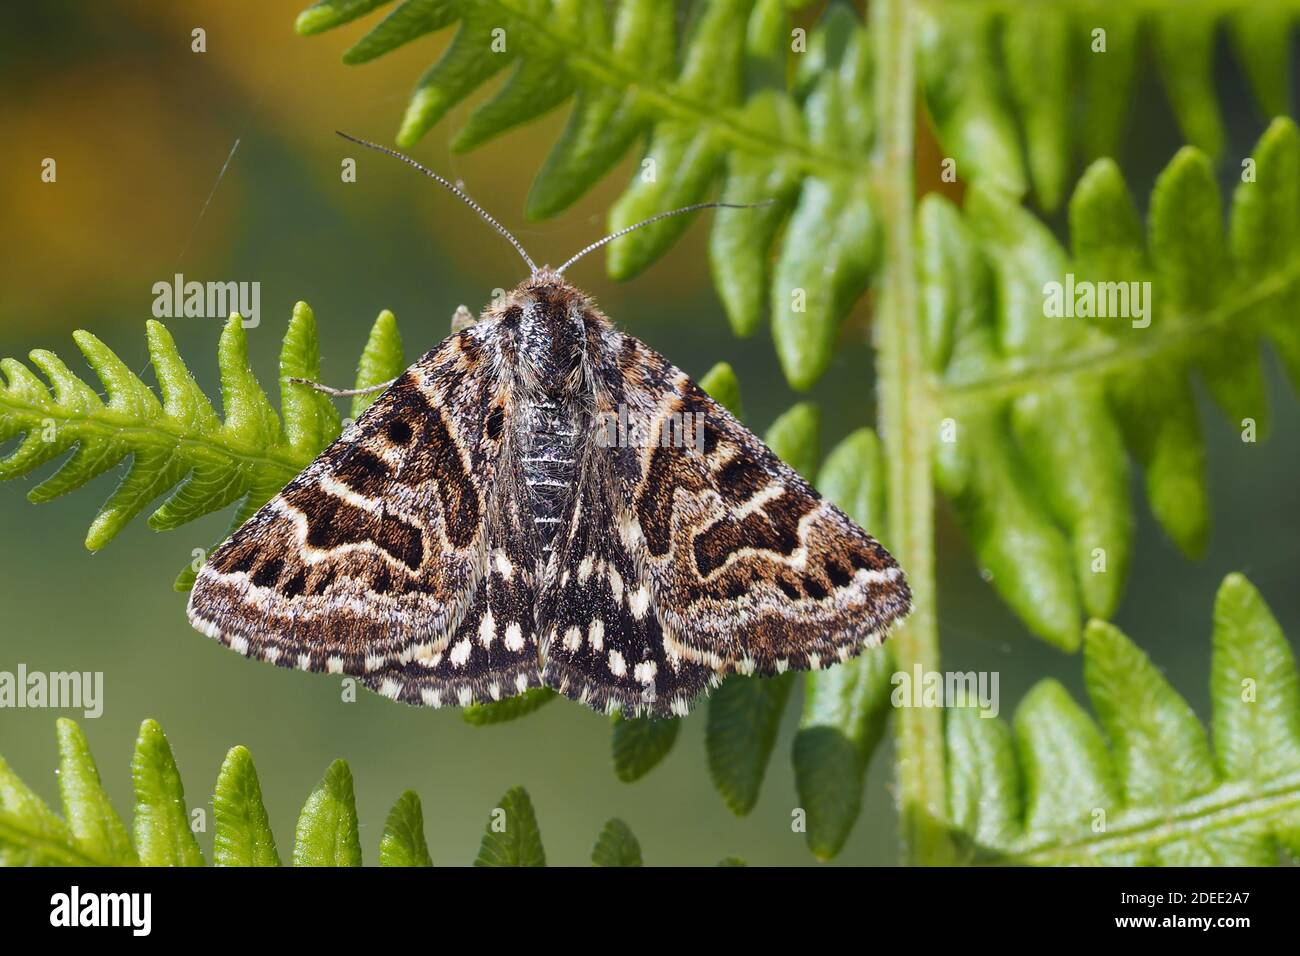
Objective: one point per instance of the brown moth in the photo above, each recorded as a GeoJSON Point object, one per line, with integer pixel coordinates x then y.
{"type": "Point", "coordinates": [543, 500]}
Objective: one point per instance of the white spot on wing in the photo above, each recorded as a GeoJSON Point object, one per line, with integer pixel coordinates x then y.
{"type": "Point", "coordinates": [638, 602]}
{"type": "Point", "coordinates": [514, 638]}
{"type": "Point", "coordinates": [504, 567]}
{"type": "Point", "coordinates": [596, 634]}
{"type": "Point", "coordinates": [460, 653]}
{"type": "Point", "coordinates": [617, 666]}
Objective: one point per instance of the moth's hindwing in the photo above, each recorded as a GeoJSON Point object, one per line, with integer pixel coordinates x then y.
{"type": "Point", "coordinates": [375, 558]}
{"type": "Point", "coordinates": [750, 569]}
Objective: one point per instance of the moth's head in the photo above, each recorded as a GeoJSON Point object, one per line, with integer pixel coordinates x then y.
{"type": "Point", "coordinates": [546, 297]}
{"type": "Point", "coordinates": [550, 320]}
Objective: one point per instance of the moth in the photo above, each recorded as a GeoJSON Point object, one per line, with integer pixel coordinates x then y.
{"type": "Point", "coordinates": [544, 500]}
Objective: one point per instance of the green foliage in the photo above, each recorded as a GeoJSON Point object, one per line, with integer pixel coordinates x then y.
{"type": "Point", "coordinates": [1142, 785]}
{"type": "Point", "coordinates": [1001, 79]}
{"type": "Point", "coordinates": [94, 824]}
{"type": "Point", "coordinates": [243, 834]}
{"type": "Point", "coordinates": [744, 717]}
{"type": "Point", "coordinates": [724, 388]}
{"type": "Point", "coordinates": [616, 846]}
{"type": "Point", "coordinates": [90, 833]}
{"type": "Point", "coordinates": [512, 708]}
{"type": "Point", "coordinates": [1036, 410]}
{"type": "Point", "coordinates": [162, 823]}
{"type": "Point", "coordinates": [639, 743]}
{"type": "Point", "coordinates": [403, 840]}
{"type": "Point", "coordinates": [177, 444]}
{"type": "Point", "coordinates": [327, 827]}
{"type": "Point", "coordinates": [382, 360]}
{"type": "Point", "coordinates": [714, 106]}
{"type": "Point", "coordinates": [512, 837]}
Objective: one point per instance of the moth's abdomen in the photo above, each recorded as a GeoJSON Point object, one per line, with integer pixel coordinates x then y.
{"type": "Point", "coordinates": [549, 452]}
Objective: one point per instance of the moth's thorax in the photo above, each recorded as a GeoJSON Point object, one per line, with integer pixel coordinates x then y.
{"type": "Point", "coordinates": [550, 332]}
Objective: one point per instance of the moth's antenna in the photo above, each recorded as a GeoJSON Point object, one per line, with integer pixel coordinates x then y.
{"type": "Point", "coordinates": [663, 215]}
{"type": "Point", "coordinates": [451, 186]}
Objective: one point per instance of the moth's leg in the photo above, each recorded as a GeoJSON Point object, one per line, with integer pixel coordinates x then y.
{"type": "Point", "coordinates": [462, 319]}
{"type": "Point", "coordinates": [343, 392]}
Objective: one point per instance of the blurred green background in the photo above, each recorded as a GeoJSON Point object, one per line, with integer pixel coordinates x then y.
{"type": "Point", "coordinates": [139, 126]}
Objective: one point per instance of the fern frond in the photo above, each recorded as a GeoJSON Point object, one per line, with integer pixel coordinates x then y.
{"type": "Point", "coordinates": [1001, 79]}
{"type": "Point", "coordinates": [1036, 410]}
{"type": "Point", "coordinates": [1144, 787]}
{"type": "Point", "coordinates": [719, 110]}
{"type": "Point", "coordinates": [90, 833]}
{"type": "Point", "coordinates": [176, 443]}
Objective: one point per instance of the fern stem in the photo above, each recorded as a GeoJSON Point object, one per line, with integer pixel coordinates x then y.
{"type": "Point", "coordinates": [906, 417]}
{"type": "Point", "coordinates": [1229, 806]}
{"type": "Point", "coordinates": [1187, 333]}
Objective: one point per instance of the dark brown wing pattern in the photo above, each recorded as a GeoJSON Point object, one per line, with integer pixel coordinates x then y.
{"type": "Point", "coordinates": [375, 561]}
{"type": "Point", "coordinates": [750, 569]}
